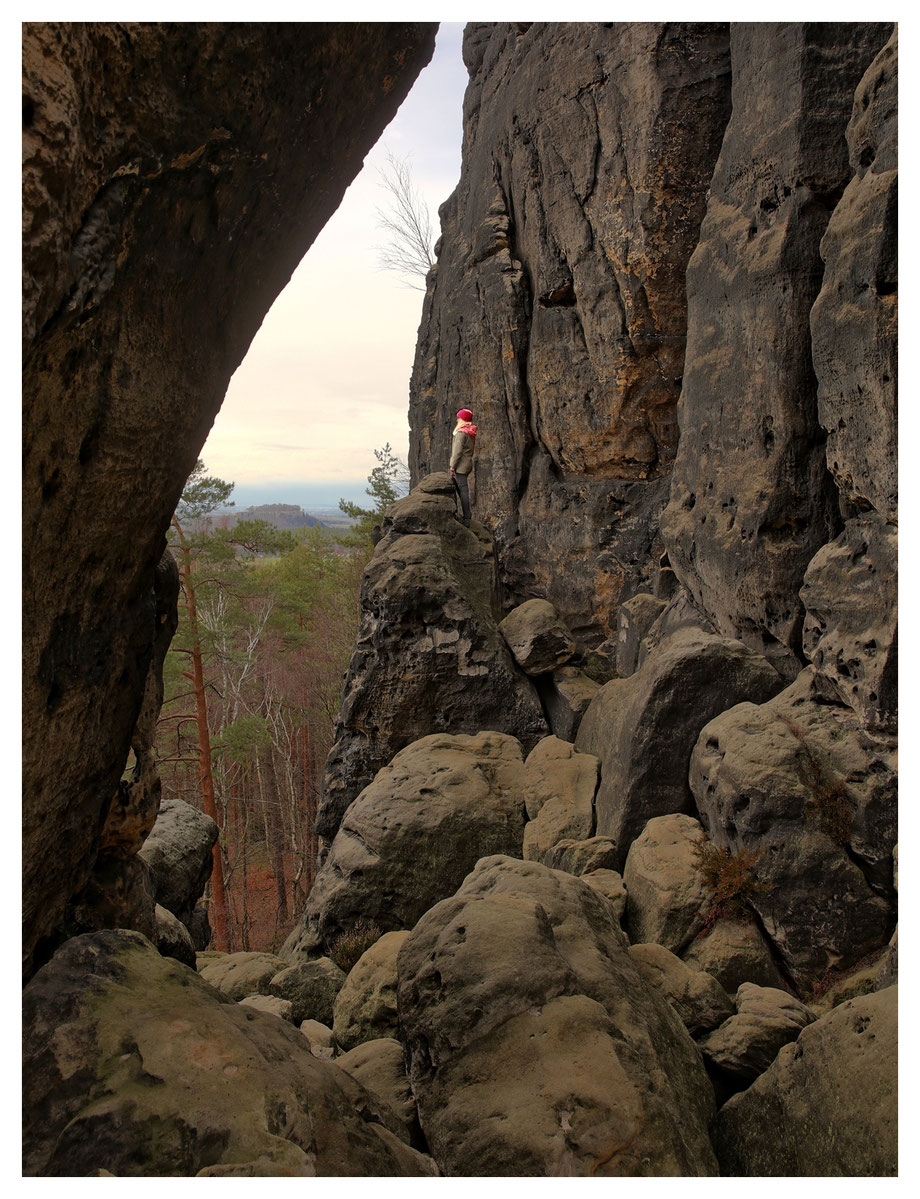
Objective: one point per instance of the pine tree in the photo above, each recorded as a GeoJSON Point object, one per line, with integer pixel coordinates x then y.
{"type": "Point", "coordinates": [387, 482]}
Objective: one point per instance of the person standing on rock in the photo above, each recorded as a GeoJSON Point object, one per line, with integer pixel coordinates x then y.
{"type": "Point", "coordinates": [461, 459]}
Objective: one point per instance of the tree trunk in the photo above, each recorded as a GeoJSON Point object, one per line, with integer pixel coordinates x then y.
{"type": "Point", "coordinates": [242, 825]}
{"type": "Point", "coordinates": [205, 777]}
{"type": "Point", "coordinates": [271, 801]}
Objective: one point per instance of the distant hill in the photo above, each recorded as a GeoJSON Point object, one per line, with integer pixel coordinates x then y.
{"type": "Point", "coordinates": [282, 516]}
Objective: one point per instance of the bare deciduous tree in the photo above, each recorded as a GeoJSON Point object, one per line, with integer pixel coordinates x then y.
{"type": "Point", "coordinates": [408, 223]}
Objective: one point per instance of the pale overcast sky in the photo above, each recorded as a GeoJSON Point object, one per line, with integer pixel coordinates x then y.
{"type": "Point", "coordinates": [326, 379]}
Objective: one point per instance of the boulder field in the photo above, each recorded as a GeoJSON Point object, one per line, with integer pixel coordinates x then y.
{"type": "Point", "coordinates": [612, 795]}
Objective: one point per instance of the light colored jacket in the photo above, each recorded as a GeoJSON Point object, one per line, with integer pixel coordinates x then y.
{"type": "Point", "coordinates": [461, 454]}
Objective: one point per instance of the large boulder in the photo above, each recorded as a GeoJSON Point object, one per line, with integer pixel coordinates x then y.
{"type": "Point", "coordinates": [237, 975]}
{"type": "Point", "coordinates": [537, 637]}
{"type": "Point", "coordinates": [734, 952]}
{"type": "Point", "coordinates": [173, 939]}
{"type": "Point", "coordinates": [173, 176]}
{"type": "Point", "coordinates": [178, 852]}
{"type": "Point", "coordinates": [134, 1065]}
{"type": "Point", "coordinates": [644, 728]}
{"type": "Point", "coordinates": [700, 1001]}
{"type": "Point", "coordinates": [828, 1105]}
{"type": "Point", "coordinates": [310, 987]}
{"type": "Point", "coordinates": [365, 1008]}
{"type": "Point", "coordinates": [415, 832]}
{"type": "Point", "coordinates": [580, 857]}
{"type": "Point", "coordinates": [559, 786]}
{"type": "Point", "coordinates": [566, 694]}
{"type": "Point", "coordinates": [557, 305]}
{"type": "Point", "coordinates": [667, 899]}
{"type": "Point", "coordinates": [534, 1046]}
{"type": "Point", "coordinates": [854, 321]}
{"type": "Point", "coordinates": [271, 1005]}
{"type": "Point", "coordinates": [766, 1020]}
{"type": "Point", "coordinates": [320, 1039]}
{"type": "Point", "coordinates": [751, 498]}
{"type": "Point", "coordinates": [429, 657]}
{"type": "Point", "coordinates": [379, 1066]}
{"type": "Point", "coordinates": [798, 786]}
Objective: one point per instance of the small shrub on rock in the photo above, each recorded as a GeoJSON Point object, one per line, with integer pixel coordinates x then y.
{"type": "Point", "coordinates": [349, 946]}
{"type": "Point", "coordinates": [732, 879]}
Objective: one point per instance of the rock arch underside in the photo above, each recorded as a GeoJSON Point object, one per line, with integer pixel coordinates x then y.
{"type": "Point", "coordinates": [615, 768]}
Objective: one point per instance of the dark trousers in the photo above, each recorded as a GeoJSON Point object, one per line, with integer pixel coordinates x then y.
{"type": "Point", "coordinates": [462, 484]}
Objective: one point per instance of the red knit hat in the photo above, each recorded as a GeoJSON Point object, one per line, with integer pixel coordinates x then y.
{"type": "Point", "coordinates": [464, 414]}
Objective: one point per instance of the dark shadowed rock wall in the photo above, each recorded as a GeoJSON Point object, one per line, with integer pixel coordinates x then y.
{"type": "Point", "coordinates": [173, 177]}
{"type": "Point", "coordinates": [751, 497]}
{"type": "Point", "coordinates": [556, 310]}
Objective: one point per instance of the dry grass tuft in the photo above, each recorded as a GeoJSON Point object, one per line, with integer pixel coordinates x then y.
{"type": "Point", "coordinates": [349, 946]}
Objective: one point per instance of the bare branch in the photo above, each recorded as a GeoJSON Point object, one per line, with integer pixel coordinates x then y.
{"type": "Point", "coordinates": [407, 222]}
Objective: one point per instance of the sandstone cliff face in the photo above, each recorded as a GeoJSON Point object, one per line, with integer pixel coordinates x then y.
{"type": "Point", "coordinates": [173, 177]}
{"type": "Point", "coordinates": [751, 499]}
{"type": "Point", "coordinates": [850, 590]}
{"type": "Point", "coordinates": [854, 320]}
{"type": "Point", "coordinates": [556, 310]}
